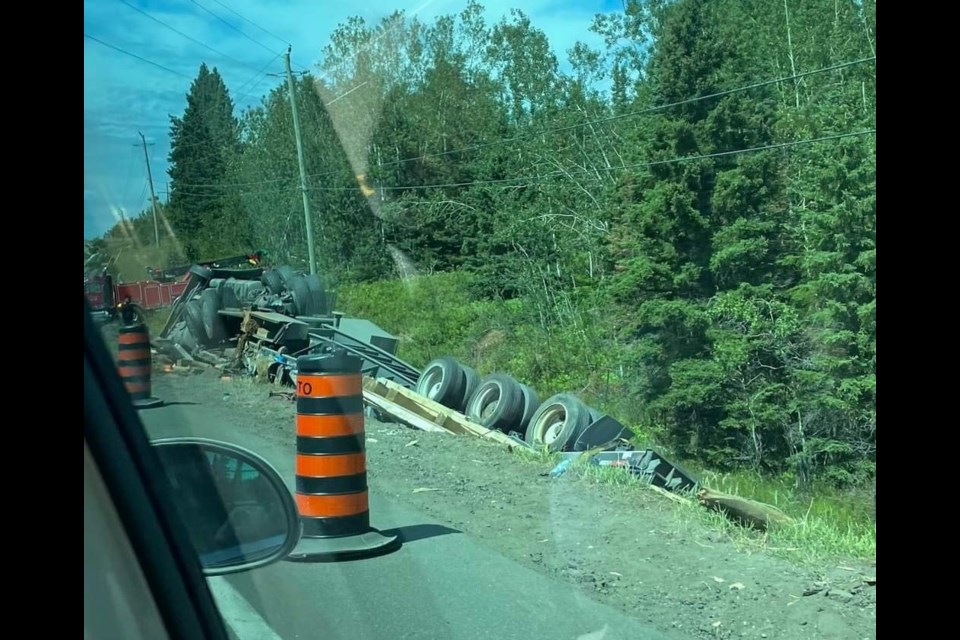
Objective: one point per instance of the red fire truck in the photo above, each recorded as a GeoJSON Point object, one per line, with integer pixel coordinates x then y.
{"type": "Point", "coordinates": [107, 297]}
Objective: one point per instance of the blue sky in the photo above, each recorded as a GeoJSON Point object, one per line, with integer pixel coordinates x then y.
{"type": "Point", "coordinates": [123, 95]}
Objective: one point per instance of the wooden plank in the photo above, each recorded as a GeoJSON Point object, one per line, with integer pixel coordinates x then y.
{"type": "Point", "coordinates": [400, 413]}
{"type": "Point", "coordinates": [435, 412]}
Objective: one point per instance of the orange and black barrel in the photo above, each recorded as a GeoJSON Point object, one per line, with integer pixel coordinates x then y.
{"type": "Point", "coordinates": [331, 463]}
{"type": "Point", "coordinates": [134, 364]}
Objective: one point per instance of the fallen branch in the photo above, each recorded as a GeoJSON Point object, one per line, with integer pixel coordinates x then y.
{"type": "Point", "coordinates": [747, 512]}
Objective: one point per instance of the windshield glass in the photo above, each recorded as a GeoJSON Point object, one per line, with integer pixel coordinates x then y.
{"type": "Point", "coordinates": [576, 300]}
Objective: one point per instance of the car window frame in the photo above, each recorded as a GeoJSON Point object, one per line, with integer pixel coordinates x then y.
{"type": "Point", "coordinates": [136, 483]}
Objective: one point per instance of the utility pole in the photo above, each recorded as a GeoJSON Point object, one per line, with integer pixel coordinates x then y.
{"type": "Point", "coordinates": [153, 196]}
{"type": "Point", "coordinates": [311, 254]}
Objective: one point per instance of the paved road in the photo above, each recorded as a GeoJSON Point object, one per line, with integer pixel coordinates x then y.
{"type": "Point", "coordinates": [440, 585]}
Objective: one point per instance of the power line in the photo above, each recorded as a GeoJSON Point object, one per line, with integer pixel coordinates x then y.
{"type": "Point", "coordinates": [525, 181]}
{"type": "Point", "coordinates": [185, 35]}
{"type": "Point", "coordinates": [623, 116]}
{"type": "Point", "coordinates": [234, 27]}
{"type": "Point", "coordinates": [133, 55]}
{"type": "Point", "coordinates": [236, 13]}
{"type": "Point", "coordinates": [258, 79]}
{"type": "Point", "coordinates": [529, 180]}
{"type": "Point", "coordinates": [632, 114]}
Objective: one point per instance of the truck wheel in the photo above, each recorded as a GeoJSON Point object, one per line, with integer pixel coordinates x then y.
{"type": "Point", "coordinates": [287, 274]}
{"type": "Point", "coordinates": [442, 381]}
{"type": "Point", "coordinates": [272, 281]}
{"type": "Point", "coordinates": [497, 403]}
{"type": "Point", "coordinates": [558, 422]}
{"type": "Point", "coordinates": [302, 298]}
{"type": "Point", "coordinates": [212, 322]}
{"type": "Point", "coordinates": [139, 315]}
{"type": "Point", "coordinates": [193, 315]}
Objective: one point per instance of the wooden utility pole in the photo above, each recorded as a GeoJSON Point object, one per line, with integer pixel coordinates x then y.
{"type": "Point", "coordinates": [153, 196]}
{"type": "Point", "coordinates": [291, 86]}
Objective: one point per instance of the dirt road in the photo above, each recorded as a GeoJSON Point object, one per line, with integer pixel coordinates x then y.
{"type": "Point", "coordinates": [631, 549]}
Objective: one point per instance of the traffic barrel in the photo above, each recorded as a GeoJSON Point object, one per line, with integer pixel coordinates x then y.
{"type": "Point", "coordinates": [331, 462]}
{"type": "Point", "coordinates": [134, 364]}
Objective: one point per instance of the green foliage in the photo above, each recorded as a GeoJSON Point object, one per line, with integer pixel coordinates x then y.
{"type": "Point", "coordinates": [657, 230]}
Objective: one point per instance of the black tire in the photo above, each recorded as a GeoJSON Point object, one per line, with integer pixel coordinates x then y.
{"type": "Point", "coordinates": [272, 281]}
{"type": "Point", "coordinates": [287, 275]}
{"type": "Point", "coordinates": [594, 415]}
{"type": "Point", "coordinates": [193, 316]}
{"type": "Point", "coordinates": [302, 299]}
{"type": "Point", "coordinates": [317, 293]}
{"type": "Point", "coordinates": [442, 381]}
{"type": "Point", "coordinates": [531, 402]}
{"type": "Point", "coordinates": [212, 322]}
{"type": "Point", "coordinates": [135, 313]}
{"type": "Point", "coordinates": [558, 422]}
{"type": "Point", "coordinates": [471, 380]}
{"type": "Point", "coordinates": [182, 336]}
{"type": "Point", "coordinates": [497, 403]}
{"type": "Point", "coordinates": [203, 273]}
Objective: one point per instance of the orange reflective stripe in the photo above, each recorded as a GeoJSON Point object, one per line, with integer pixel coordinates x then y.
{"type": "Point", "coordinates": [133, 338]}
{"type": "Point", "coordinates": [310, 385]}
{"type": "Point", "coordinates": [127, 372]}
{"type": "Point", "coordinates": [138, 354]}
{"type": "Point", "coordinates": [350, 504]}
{"type": "Point", "coordinates": [325, 426]}
{"type": "Point", "coordinates": [331, 466]}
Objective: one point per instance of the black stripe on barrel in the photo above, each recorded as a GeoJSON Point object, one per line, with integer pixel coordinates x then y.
{"type": "Point", "coordinates": [331, 465]}
{"type": "Point", "coordinates": [133, 360]}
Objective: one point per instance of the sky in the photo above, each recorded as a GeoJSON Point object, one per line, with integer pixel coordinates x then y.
{"type": "Point", "coordinates": [140, 56]}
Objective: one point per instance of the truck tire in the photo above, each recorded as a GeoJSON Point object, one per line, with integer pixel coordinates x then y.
{"type": "Point", "coordinates": [471, 380]}
{"type": "Point", "coordinates": [302, 298]}
{"type": "Point", "coordinates": [212, 322]}
{"type": "Point", "coordinates": [193, 316]}
{"type": "Point", "coordinates": [558, 422]}
{"type": "Point", "coordinates": [442, 381]}
{"type": "Point", "coordinates": [531, 402]}
{"type": "Point", "coordinates": [272, 281]}
{"type": "Point", "coordinates": [497, 403]}
{"type": "Point", "coordinates": [203, 273]}
{"type": "Point", "coordinates": [287, 275]}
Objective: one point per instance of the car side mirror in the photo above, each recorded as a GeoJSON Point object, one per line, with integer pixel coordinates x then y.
{"type": "Point", "coordinates": [236, 508]}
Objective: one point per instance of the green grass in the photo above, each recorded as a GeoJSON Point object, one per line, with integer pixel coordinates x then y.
{"type": "Point", "coordinates": [825, 527]}
{"type": "Point", "coordinates": [437, 315]}
{"type": "Point", "coordinates": [156, 319]}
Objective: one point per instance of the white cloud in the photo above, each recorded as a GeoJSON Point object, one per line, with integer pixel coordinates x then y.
{"type": "Point", "coordinates": [123, 95]}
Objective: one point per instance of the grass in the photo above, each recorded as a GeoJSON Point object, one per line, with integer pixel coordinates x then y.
{"type": "Point", "coordinates": [828, 525]}
{"type": "Point", "coordinates": [824, 528]}
{"type": "Point", "coordinates": [156, 319]}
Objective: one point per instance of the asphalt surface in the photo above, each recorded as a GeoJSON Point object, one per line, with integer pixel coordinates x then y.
{"type": "Point", "coordinates": [440, 585]}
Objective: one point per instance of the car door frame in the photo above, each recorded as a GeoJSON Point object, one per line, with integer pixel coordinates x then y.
{"type": "Point", "coordinates": [136, 483]}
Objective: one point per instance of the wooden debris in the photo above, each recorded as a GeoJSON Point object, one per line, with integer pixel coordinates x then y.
{"type": "Point", "coordinates": [396, 400]}
{"type": "Point", "coordinates": [747, 512]}
{"type": "Point", "coordinates": [400, 413]}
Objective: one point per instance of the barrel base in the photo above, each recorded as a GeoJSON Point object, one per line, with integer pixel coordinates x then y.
{"type": "Point", "coordinates": [363, 545]}
{"type": "Point", "coordinates": [147, 403]}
